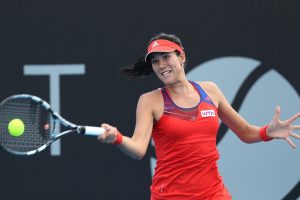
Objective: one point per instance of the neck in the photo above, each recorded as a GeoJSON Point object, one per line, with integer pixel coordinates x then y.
{"type": "Point", "coordinates": [180, 87]}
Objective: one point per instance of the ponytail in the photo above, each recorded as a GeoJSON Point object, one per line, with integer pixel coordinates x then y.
{"type": "Point", "coordinates": [139, 68]}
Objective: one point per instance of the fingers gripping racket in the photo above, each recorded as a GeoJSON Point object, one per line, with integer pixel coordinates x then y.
{"type": "Point", "coordinates": [27, 125]}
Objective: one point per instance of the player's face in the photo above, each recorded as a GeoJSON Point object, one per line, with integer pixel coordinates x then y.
{"type": "Point", "coordinates": [168, 67]}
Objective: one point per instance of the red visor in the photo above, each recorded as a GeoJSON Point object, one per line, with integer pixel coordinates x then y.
{"type": "Point", "coordinates": [162, 46]}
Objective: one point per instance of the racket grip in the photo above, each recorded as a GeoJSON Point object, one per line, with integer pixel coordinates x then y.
{"type": "Point", "coordinates": [91, 130]}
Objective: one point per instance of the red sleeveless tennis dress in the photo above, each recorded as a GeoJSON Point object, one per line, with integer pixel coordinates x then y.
{"type": "Point", "coordinates": [185, 145]}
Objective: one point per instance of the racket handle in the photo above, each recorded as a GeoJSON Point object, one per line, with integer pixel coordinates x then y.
{"type": "Point", "coordinates": [91, 130]}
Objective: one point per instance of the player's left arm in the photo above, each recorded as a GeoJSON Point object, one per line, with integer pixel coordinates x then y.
{"type": "Point", "coordinates": [251, 133]}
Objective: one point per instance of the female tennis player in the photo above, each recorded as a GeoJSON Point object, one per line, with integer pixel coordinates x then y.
{"type": "Point", "coordinates": [183, 119]}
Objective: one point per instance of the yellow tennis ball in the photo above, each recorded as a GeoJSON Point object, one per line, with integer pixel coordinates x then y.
{"type": "Point", "coordinates": [16, 127]}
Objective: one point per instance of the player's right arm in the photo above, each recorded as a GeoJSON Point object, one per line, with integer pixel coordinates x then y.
{"type": "Point", "coordinates": [135, 146]}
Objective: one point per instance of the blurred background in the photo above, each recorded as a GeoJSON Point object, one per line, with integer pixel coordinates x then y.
{"type": "Point", "coordinates": [251, 47]}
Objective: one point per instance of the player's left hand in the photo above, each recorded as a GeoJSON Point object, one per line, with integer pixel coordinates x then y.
{"type": "Point", "coordinates": [283, 129]}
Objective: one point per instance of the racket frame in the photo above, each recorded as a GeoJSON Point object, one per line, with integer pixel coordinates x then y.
{"type": "Point", "coordinates": [72, 128]}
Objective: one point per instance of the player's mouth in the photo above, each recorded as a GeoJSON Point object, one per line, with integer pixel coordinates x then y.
{"type": "Point", "coordinates": [166, 73]}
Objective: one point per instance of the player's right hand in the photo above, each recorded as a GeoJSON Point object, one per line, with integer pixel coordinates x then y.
{"type": "Point", "coordinates": [110, 134]}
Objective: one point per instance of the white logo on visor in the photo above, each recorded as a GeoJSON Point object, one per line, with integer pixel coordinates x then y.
{"type": "Point", "coordinates": [208, 113]}
{"type": "Point", "coordinates": [155, 44]}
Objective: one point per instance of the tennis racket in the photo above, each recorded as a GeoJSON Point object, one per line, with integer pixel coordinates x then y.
{"type": "Point", "coordinates": [27, 125]}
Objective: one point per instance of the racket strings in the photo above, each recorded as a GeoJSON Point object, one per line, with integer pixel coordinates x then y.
{"type": "Point", "coordinates": [37, 120]}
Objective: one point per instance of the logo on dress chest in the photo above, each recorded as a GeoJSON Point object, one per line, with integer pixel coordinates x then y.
{"type": "Point", "coordinates": [207, 113]}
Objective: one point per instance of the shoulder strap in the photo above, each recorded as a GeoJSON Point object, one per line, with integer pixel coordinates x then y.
{"type": "Point", "coordinates": [203, 95]}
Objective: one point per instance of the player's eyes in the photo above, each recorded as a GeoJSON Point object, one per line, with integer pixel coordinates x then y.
{"type": "Point", "coordinates": [166, 56]}
{"type": "Point", "coordinates": [153, 61]}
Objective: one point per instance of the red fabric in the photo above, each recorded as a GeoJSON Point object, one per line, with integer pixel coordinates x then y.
{"type": "Point", "coordinates": [162, 45]}
{"type": "Point", "coordinates": [119, 138]}
{"type": "Point", "coordinates": [187, 158]}
{"type": "Point", "coordinates": [263, 134]}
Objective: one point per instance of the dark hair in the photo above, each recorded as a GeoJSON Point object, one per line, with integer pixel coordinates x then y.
{"type": "Point", "coordinates": [142, 68]}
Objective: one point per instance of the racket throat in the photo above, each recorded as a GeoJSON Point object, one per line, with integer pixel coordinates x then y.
{"type": "Point", "coordinates": [90, 130]}
{"type": "Point", "coordinates": [80, 130]}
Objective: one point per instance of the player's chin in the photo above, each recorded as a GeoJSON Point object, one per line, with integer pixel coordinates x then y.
{"type": "Point", "coordinates": [167, 80]}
